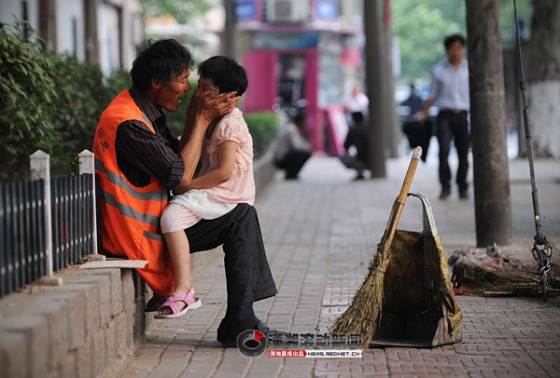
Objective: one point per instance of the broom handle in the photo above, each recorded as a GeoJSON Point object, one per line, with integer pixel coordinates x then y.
{"type": "Point", "coordinates": [398, 205]}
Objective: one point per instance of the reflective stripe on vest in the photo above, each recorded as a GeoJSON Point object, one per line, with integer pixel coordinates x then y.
{"type": "Point", "coordinates": [117, 180]}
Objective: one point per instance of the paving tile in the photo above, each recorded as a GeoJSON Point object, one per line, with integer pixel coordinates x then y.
{"type": "Point", "coordinates": [321, 234]}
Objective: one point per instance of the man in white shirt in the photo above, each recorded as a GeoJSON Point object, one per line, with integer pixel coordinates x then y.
{"type": "Point", "coordinates": [356, 101]}
{"type": "Point", "coordinates": [450, 93]}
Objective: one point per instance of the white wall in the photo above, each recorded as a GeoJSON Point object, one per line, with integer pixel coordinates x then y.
{"type": "Point", "coordinates": [544, 116]}
{"type": "Point", "coordinates": [133, 37]}
{"type": "Point", "coordinates": [133, 31]}
{"type": "Point", "coordinates": [14, 8]}
{"type": "Point", "coordinates": [68, 11]}
{"type": "Point", "coordinates": [108, 29]}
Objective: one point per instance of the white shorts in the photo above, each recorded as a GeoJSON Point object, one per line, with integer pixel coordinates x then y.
{"type": "Point", "coordinates": [187, 209]}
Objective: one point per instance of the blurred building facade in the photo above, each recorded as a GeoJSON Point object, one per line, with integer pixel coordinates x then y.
{"type": "Point", "coordinates": [97, 31]}
{"type": "Point", "coordinates": [302, 52]}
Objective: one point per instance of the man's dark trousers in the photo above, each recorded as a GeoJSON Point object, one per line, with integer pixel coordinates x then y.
{"type": "Point", "coordinates": [453, 125]}
{"type": "Point", "coordinates": [248, 274]}
{"type": "Point", "coordinates": [293, 163]}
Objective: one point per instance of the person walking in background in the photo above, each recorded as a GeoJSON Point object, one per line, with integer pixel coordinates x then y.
{"type": "Point", "coordinates": [450, 93]}
{"type": "Point", "coordinates": [417, 133]}
{"type": "Point", "coordinates": [292, 148]}
{"type": "Point", "coordinates": [356, 146]}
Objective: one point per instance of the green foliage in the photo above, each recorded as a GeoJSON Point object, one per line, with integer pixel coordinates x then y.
{"type": "Point", "coordinates": [263, 128]}
{"type": "Point", "coordinates": [421, 26]}
{"type": "Point", "coordinates": [81, 99]}
{"type": "Point", "coordinates": [182, 11]}
{"type": "Point", "coordinates": [47, 101]}
{"type": "Point", "coordinates": [118, 81]}
{"type": "Point", "coordinates": [507, 24]}
{"type": "Point", "coordinates": [27, 94]}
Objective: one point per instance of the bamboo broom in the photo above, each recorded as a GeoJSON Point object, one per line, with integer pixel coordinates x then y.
{"type": "Point", "coordinates": [364, 313]}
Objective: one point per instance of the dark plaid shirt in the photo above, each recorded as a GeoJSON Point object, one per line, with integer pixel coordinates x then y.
{"type": "Point", "coordinates": [142, 154]}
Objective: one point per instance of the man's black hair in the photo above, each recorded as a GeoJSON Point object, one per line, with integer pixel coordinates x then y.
{"type": "Point", "coordinates": [159, 62]}
{"type": "Point", "coordinates": [450, 40]}
{"type": "Point", "coordinates": [226, 74]}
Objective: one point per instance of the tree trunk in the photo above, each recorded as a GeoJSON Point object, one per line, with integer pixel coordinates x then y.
{"type": "Point", "coordinates": [543, 76]}
{"type": "Point", "coordinates": [491, 173]}
{"type": "Point", "coordinates": [374, 78]}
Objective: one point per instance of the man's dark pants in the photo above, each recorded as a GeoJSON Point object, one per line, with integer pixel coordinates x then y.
{"type": "Point", "coordinates": [453, 126]}
{"type": "Point", "coordinates": [248, 274]}
{"type": "Point", "coordinates": [293, 163]}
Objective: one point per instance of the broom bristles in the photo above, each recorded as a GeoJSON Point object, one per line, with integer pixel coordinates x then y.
{"type": "Point", "coordinates": [364, 313]}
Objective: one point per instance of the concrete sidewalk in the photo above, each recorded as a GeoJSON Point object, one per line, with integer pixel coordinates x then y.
{"type": "Point", "coordinates": [320, 234]}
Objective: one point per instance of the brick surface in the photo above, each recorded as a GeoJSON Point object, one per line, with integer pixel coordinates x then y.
{"type": "Point", "coordinates": [320, 235]}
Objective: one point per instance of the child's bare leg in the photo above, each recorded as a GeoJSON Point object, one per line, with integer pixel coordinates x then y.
{"type": "Point", "coordinates": [178, 246]}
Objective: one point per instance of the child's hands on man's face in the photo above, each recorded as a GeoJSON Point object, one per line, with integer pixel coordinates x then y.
{"type": "Point", "coordinates": [214, 104]}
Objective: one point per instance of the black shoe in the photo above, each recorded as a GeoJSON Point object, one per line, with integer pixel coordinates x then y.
{"type": "Point", "coordinates": [221, 327]}
{"type": "Point", "coordinates": [359, 177]}
{"type": "Point", "coordinates": [464, 194]}
{"type": "Point", "coordinates": [155, 303]}
{"type": "Point", "coordinates": [227, 333]}
{"type": "Point", "coordinates": [445, 192]}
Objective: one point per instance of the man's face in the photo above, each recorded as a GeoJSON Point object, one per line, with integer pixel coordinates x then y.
{"type": "Point", "coordinates": [169, 96]}
{"type": "Point", "coordinates": [455, 52]}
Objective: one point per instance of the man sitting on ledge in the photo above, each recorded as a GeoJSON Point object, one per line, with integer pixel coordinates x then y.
{"type": "Point", "coordinates": [138, 161]}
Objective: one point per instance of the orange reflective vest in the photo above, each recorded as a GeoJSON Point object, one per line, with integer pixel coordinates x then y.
{"type": "Point", "coordinates": [130, 214]}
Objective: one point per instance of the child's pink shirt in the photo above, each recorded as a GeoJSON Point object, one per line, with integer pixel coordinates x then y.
{"type": "Point", "coordinates": [240, 188]}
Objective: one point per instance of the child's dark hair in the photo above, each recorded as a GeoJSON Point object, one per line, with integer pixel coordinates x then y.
{"type": "Point", "coordinates": [159, 62]}
{"type": "Point", "coordinates": [226, 74]}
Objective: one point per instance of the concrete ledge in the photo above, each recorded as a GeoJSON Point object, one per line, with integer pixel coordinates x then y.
{"type": "Point", "coordinates": [83, 328]}
{"type": "Point", "coordinates": [89, 326]}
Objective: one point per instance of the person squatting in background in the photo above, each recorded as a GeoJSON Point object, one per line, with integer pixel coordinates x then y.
{"type": "Point", "coordinates": [356, 146]}
{"type": "Point", "coordinates": [292, 149]}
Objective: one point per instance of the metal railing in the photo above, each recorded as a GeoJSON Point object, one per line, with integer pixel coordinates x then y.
{"type": "Point", "coordinates": [72, 218]}
{"type": "Point", "coordinates": [46, 225]}
{"type": "Point", "coordinates": [22, 242]}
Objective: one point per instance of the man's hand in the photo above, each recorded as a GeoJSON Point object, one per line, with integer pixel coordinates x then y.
{"type": "Point", "coordinates": [421, 117]}
{"type": "Point", "coordinates": [181, 190]}
{"type": "Point", "coordinates": [424, 115]}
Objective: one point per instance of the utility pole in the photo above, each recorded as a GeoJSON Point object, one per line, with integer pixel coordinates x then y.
{"type": "Point", "coordinates": [486, 81]}
{"type": "Point", "coordinates": [229, 39]}
{"type": "Point", "coordinates": [374, 79]}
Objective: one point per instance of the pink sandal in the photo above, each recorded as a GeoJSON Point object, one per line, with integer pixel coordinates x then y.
{"type": "Point", "coordinates": [191, 303]}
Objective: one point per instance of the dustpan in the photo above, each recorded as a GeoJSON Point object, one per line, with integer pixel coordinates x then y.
{"type": "Point", "coordinates": [406, 299]}
{"type": "Point", "coordinates": [419, 308]}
